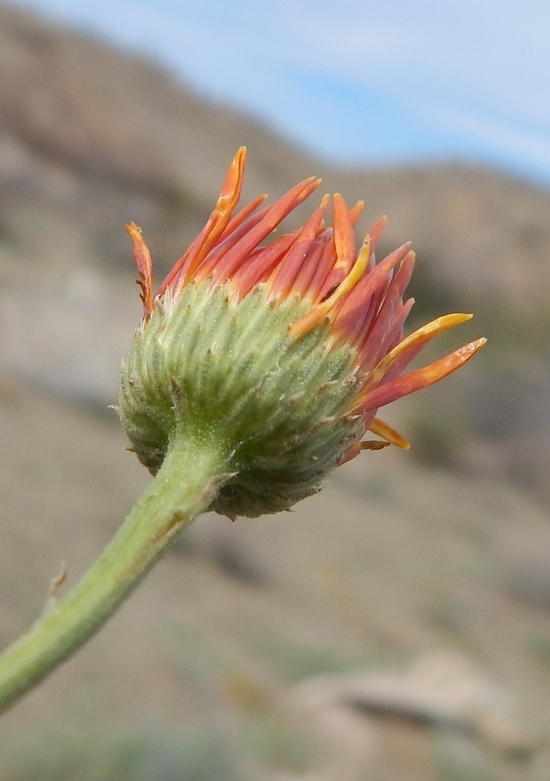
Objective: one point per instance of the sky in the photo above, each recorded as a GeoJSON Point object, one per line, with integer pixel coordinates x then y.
{"type": "Point", "coordinates": [357, 81]}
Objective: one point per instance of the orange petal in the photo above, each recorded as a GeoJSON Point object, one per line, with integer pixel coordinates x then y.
{"type": "Point", "coordinates": [228, 198]}
{"type": "Point", "coordinates": [355, 211]}
{"type": "Point", "coordinates": [144, 265]}
{"type": "Point", "coordinates": [358, 447]}
{"type": "Point", "coordinates": [293, 274]}
{"type": "Point", "coordinates": [419, 378]}
{"type": "Point", "coordinates": [227, 266]}
{"type": "Point", "coordinates": [417, 338]}
{"type": "Point", "coordinates": [388, 433]}
{"type": "Point", "coordinates": [376, 230]}
{"type": "Point", "coordinates": [322, 310]}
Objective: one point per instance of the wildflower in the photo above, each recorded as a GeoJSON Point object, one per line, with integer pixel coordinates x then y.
{"type": "Point", "coordinates": [280, 353]}
{"type": "Point", "coordinates": [255, 371]}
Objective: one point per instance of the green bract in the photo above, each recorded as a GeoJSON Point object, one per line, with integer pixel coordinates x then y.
{"type": "Point", "coordinates": [210, 367]}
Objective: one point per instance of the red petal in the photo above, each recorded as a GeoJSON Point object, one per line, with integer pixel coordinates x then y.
{"type": "Point", "coordinates": [419, 378]}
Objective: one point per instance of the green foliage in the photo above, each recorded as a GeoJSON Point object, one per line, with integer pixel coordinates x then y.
{"type": "Point", "coordinates": [271, 739]}
{"type": "Point", "coordinates": [146, 754]}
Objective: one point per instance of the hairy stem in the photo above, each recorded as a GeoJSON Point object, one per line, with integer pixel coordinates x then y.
{"type": "Point", "coordinates": [183, 488]}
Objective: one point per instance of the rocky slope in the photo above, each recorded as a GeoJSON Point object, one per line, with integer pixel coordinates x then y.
{"type": "Point", "coordinates": [397, 625]}
{"type": "Point", "coordinates": [91, 138]}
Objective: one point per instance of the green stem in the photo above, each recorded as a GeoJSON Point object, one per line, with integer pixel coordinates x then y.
{"type": "Point", "coordinates": [184, 487]}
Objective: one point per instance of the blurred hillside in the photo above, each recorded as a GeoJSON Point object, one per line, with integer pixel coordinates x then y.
{"type": "Point", "coordinates": [91, 138]}
{"type": "Point", "coordinates": [440, 551]}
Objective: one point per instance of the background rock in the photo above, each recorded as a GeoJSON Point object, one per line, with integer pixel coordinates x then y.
{"type": "Point", "coordinates": [401, 555]}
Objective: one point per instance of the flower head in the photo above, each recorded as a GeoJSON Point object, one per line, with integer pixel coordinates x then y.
{"type": "Point", "coordinates": [283, 352]}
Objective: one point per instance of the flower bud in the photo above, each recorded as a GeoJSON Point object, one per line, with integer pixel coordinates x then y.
{"type": "Point", "coordinates": [280, 354]}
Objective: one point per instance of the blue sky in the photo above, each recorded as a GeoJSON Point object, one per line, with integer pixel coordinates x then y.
{"type": "Point", "coordinates": [358, 81]}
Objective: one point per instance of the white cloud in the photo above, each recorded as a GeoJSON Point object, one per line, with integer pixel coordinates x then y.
{"type": "Point", "coordinates": [522, 143]}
